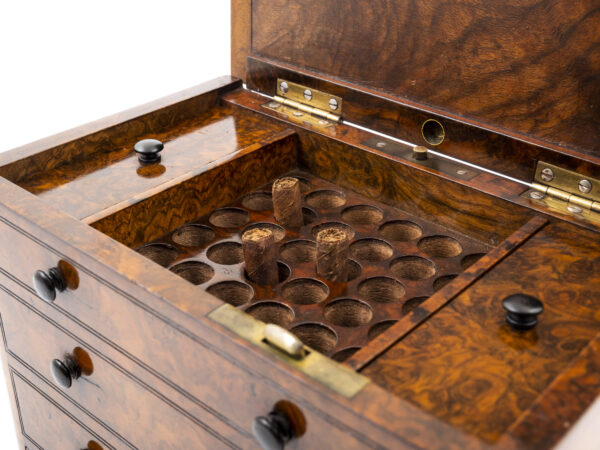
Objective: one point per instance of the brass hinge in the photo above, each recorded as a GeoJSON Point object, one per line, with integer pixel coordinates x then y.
{"type": "Point", "coordinates": [308, 100]}
{"type": "Point", "coordinates": [566, 191]}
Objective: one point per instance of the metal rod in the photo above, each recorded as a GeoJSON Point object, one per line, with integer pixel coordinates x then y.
{"type": "Point", "coordinates": [410, 144]}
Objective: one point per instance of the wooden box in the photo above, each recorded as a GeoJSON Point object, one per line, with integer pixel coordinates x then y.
{"type": "Point", "coordinates": [454, 148]}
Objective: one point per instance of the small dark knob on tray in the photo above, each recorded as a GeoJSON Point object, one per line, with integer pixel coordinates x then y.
{"type": "Point", "coordinates": [148, 150]}
{"type": "Point", "coordinates": [272, 432]}
{"type": "Point", "coordinates": [65, 371]}
{"type": "Point", "coordinates": [522, 310]}
{"type": "Point", "coordinates": [46, 284]}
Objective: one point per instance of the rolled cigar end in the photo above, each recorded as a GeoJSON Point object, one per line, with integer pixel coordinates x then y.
{"type": "Point", "coordinates": [332, 254]}
{"type": "Point", "coordinates": [287, 202]}
{"type": "Point", "coordinates": [260, 256]}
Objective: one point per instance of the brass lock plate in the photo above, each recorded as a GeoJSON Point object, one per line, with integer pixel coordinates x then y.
{"type": "Point", "coordinates": [335, 376]}
{"type": "Point", "coordinates": [433, 162]}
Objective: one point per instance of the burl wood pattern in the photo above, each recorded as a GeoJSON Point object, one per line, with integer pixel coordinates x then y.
{"type": "Point", "coordinates": [469, 368]}
{"type": "Point", "coordinates": [397, 261]}
{"type": "Point", "coordinates": [499, 149]}
{"type": "Point", "coordinates": [447, 293]}
{"type": "Point", "coordinates": [530, 67]}
{"type": "Point", "coordinates": [169, 208]}
{"type": "Point", "coordinates": [90, 187]}
{"type": "Point", "coordinates": [494, 186]}
{"type": "Point", "coordinates": [445, 202]}
{"type": "Point", "coordinates": [114, 132]}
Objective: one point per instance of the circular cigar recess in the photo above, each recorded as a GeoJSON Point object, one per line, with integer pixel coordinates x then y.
{"type": "Point", "coordinates": [372, 250]}
{"type": "Point", "coordinates": [235, 293]}
{"type": "Point", "coordinates": [335, 225]}
{"type": "Point", "coordinates": [278, 232]}
{"type": "Point", "coordinates": [229, 218]}
{"type": "Point", "coordinates": [316, 336]}
{"type": "Point", "coordinates": [400, 230]}
{"type": "Point", "coordinates": [442, 281]}
{"type": "Point", "coordinates": [413, 303]}
{"type": "Point", "coordinates": [379, 328]}
{"type": "Point", "coordinates": [272, 312]}
{"type": "Point", "coordinates": [326, 199]}
{"type": "Point", "coordinates": [362, 215]}
{"type": "Point", "coordinates": [471, 259]}
{"type": "Point", "coordinates": [258, 201]}
{"type": "Point", "coordinates": [440, 246]}
{"type": "Point", "coordinates": [344, 354]}
{"type": "Point", "coordinates": [193, 271]}
{"type": "Point", "coordinates": [299, 251]}
{"type": "Point", "coordinates": [226, 253]}
{"type": "Point", "coordinates": [163, 254]}
{"type": "Point", "coordinates": [354, 270]}
{"type": "Point", "coordinates": [348, 312]}
{"type": "Point", "coordinates": [304, 291]}
{"type": "Point", "coordinates": [381, 290]}
{"type": "Point", "coordinates": [413, 268]}
{"type": "Point", "coordinates": [193, 235]}
{"type": "Point", "coordinates": [309, 216]}
{"type": "Point", "coordinates": [284, 271]}
{"type": "Point", "coordinates": [305, 184]}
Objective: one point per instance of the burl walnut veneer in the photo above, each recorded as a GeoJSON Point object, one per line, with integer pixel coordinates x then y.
{"type": "Point", "coordinates": [456, 309]}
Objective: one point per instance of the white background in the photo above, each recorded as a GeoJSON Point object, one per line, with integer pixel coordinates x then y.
{"type": "Point", "coordinates": [66, 63]}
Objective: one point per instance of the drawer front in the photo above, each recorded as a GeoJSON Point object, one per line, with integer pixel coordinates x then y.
{"type": "Point", "coordinates": [108, 393]}
{"type": "Point", "coordinates": [196, 367]}
{"type": "Point", "coordinates": [46, 425]}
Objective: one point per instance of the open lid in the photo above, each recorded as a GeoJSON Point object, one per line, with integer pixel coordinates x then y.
{"type": "Point", "coordinates": [531, 69]}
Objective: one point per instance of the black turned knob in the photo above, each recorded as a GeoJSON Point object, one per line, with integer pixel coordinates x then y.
{"type": "Point", "coordinates": [46, 284]}
{"type": "Point", "coordinates": [65, 371]}
{"type": "Point", "coordinates": [273, 431]}
{"type": "Point", "coordinates": [522, 310]}
{"type": "Point", "coordinates": [148, 150]}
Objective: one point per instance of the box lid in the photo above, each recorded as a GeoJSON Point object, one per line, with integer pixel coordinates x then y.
{"type": "Point", "coordinates": [531, 69]}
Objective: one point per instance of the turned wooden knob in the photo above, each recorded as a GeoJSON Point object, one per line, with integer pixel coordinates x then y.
{"type": "Point", "coordinates": [522, 310]}
{"type": "Point", "coordinates": [46, 284]}
{"type": "Point", "coordinates": [273, 431]}
{"type": "Point", "coordinates": [65, 371]}
{"type": "Point", "coordinates": [148, 150]}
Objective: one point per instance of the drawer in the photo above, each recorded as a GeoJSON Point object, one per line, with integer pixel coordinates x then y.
{"type": "Point", "coordinates": [45, 424]}
{"type": "Point", "coordinates": [108, 393]}
{"type": "Point", "coordinates": [215, 383]}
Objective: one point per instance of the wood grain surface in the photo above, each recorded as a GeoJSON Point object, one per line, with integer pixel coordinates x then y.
{"type": "Point", "coordinates": [532, 67]}
{"type": "Point", "coordinates": [469, 368]}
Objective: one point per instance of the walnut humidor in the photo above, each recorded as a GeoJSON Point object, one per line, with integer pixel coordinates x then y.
{"type": "Point", "coordinates": [417, 198]}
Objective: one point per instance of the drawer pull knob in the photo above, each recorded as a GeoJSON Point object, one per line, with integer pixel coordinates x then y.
{"type": "Point", "coordinates": [46, 284]}
{"type": "Point", "coordinates": [522, 310]}
{"type": "Point", "coordinates": [273, 431]}
{"type": "Point", "coordinates": [148, 150]}
{"type": "Point", "coordinates": [65, 371]}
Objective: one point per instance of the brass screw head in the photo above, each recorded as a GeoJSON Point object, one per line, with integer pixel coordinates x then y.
{"type": "Point", "coordinates": [536, 195]}
{"type": "Point", "coordinates": [547, 174]}
{"type": "Point", "coordinates": [585, 186]}
{"type": "Point", "coordinates": [333, 104]}
{"type": "Point", "coordinates": [308, 94]}
{"type": "Point", "coordinates": [284, 87]}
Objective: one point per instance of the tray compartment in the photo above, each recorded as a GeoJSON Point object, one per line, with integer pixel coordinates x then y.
{"type": "Point", "coordinates": [398, 260]}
